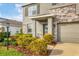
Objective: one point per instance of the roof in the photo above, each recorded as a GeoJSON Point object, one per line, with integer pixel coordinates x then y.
{"type": "Point", "coordinates": [28, 4]}
{"type": "Point", "coordinates": [11, 22]}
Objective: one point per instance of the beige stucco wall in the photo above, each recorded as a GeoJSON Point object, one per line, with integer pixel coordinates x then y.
{"type": "Point", "coordinates": [25, 22]}
{"type": "Point", "coordinates": [39, 28]}
{"type": "Point", "coordinates": [46, 8]}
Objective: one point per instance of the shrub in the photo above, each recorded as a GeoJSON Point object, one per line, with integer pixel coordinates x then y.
{"type": "Point", "coordinates": [13, 37]}
{"type": "Point", "coordinates": [5, 42]}
{"type": "Point", "coordinates": [9, 42]}
{"type": "Point", "coordinates": [12, 42]}
{"type": "Point", "coordinates": [38, 47]}
{"type": "Point", "coordinates": [27, 35]}
{"type": "Point", "coordinates": [23, 40]}
{"type": "Point", "coordinates": [48, 38]}
{"type": "Point", "coordinates": [3, 35]}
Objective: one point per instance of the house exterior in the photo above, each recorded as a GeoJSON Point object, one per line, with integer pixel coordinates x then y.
{"type": "Point", "coordinates": [59, 19]}
{"type": "Point", "coordinates": [14, 26]}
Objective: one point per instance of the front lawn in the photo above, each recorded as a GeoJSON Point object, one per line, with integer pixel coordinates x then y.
{"type": "Point", "coordinates": [10, 52]}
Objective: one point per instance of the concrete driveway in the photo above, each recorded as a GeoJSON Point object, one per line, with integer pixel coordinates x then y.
{"type": "Point", "coordinates": [65, 49]}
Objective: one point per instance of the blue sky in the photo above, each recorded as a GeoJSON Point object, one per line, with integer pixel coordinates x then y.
{"type": "Point", "coordinates": [11, 11]}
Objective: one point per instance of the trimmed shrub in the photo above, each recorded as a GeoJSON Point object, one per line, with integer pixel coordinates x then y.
{"type": "Point", "coordinates": [13, 37]}
{"type": "Point", "coordinates": [27, 35]}
{"type": "Point", "coordinates": [38, 47]}
{"type": "Point", "coordinates": [48, 38]}
{"type": "Point", "coordinates": [23, 40]}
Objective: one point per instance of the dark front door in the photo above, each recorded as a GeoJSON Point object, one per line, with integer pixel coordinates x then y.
{"type": "Point", "coordinates": [45, 29]}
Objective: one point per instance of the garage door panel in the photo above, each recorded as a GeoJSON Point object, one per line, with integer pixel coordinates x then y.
{"type": "Point", "coordinates": [69, 32]}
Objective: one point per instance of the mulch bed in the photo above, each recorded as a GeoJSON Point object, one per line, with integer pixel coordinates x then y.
{"type": "Point", "coordinates": [26, 51]}
{"type": "Point", "coordinates": [30, 53]}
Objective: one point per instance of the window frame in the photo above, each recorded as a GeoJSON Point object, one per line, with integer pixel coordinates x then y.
{"type": "Point", "coordinates": [29, 29]}
{"type": "Point", "coordinates": [31, 9]}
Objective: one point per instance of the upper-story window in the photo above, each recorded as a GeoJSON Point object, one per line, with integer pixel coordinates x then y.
{"type": "Point", "coordinates": [54, 3]}
{"type": "Point", "coordinates": [32, 10]}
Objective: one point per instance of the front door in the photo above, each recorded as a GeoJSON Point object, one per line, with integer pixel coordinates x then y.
{"type": "Point", "coordinates": [45, 29]}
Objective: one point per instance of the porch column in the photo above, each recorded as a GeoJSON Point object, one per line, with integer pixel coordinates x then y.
{"type": "Point", "coordinates": [34, 28]}
{"type": "Point", "coordinates": [50, 25]}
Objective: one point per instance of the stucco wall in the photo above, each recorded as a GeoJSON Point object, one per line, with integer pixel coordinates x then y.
{"type": "Point", "coordinates": [39, 28]}
{"type": "Point", "coordinates": [44, 7]}
{"type": "Point", "coordinates": [12, 29]}
{"type": "Point", "coordinates": [25, 22]}
{"type": "Point", "coordinates": [70, 11]}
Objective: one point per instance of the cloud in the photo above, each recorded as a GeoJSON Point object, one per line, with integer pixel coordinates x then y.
{"type": "Point", "coordinates": [0, 4]}
{"type": "Point", "coordinates": [17, 17]}
{"type": "Point", "coordinates": [18, 7]}
{"type": "Point", "coordinates": [19, 10]}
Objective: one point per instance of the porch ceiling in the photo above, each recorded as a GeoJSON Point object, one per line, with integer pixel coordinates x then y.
{"type": "Point", "coordinates": [42, 17]}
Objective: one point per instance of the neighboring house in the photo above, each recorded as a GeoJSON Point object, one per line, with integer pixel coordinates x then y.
{"type": "Point", "coordinates": [14, 26]}
{"type": "Point", "coordinates": [59, 19]}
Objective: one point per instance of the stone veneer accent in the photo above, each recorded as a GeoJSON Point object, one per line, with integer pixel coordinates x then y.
{"type": "Point", "coordinates": [65, 14]}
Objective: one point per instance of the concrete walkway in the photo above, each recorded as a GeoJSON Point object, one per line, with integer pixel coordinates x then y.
{"type": "Point", "coordinates": [64, 49]}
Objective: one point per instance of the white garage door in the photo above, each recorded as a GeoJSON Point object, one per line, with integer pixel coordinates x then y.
{"type": "Point", "coordinates": [69, 32]}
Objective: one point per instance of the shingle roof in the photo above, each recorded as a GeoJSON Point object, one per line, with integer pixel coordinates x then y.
{"type": "Point", "coordinates": [11, 22]}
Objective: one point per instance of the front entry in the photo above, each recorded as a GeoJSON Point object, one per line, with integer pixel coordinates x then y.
{"type": "Point", "coordinates": [45, 29]}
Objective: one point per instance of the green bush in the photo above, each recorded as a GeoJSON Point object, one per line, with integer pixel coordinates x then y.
{"type": "Point", "coordinates": [12, 42]}
{"type": "Point", "coordinates": [27, 35]}
{"type": "Point", "coordinates": [3, 35]}
{"type": "Point", "coordinates": [38, 47]}
{"type": "Point", "coordinates": [13, 37]}
{"type": "Point", "coordinates": [9, 41]}
{"type": "Point", "coordinates": [5, 42]}
{"type": "Point", "coordinates": [48, 38]}
{"type": "Point", "coordinates": [23, 40]}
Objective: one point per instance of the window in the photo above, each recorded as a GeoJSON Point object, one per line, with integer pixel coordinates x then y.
{"type": "Point", "coordinates": [32, 10]}
{"type": "Point", "coordinates": [45, 28]}
{"type": "Point", "coordinates": [29, 28]}
{"type": "Point", "coordinates": [54, 3]}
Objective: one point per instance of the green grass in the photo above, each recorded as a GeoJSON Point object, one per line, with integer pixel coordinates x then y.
{"type": "Point", "coordinates": [10, 52]}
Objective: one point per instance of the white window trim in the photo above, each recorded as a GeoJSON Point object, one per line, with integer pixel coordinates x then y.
{"type": "Point", "coordinates": [28, 28]}
{"type": "Point", "coordinates": [31, 9]}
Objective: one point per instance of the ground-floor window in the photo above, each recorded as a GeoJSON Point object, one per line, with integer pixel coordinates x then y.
{"type": "Point", "coordinates": [29, 28]}
{"type": "Point", "coordinates": [45, 29]}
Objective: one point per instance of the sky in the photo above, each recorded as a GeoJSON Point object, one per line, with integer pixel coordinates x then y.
{"type": "Point", "coordinates": [11, 11]}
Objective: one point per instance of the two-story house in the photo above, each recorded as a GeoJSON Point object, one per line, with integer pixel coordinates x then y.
{"type": "Point", "coordinates": [14, 26]}
{"type": "Point", "coordinates": [59, 19]}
